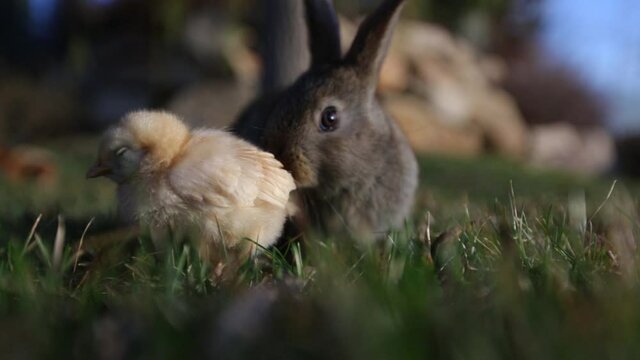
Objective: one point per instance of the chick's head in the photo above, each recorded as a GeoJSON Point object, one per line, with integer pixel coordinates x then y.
{"type": "Point", "coordinates": [119, 156]}
{"type": "Point", "coordinates": [143, 141]}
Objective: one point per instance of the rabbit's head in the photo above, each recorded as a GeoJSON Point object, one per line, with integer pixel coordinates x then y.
{"type": "Point", "coordinates": [328, 127]}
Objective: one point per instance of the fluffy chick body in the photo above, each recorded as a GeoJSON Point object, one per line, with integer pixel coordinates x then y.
{"type": "Point", "coordinates": [218, 188]}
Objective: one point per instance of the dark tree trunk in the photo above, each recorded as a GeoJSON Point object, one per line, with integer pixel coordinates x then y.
{"type": "Point", "coordinates": [284, 43]}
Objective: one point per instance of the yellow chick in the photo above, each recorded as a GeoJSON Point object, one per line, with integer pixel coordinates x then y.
{"type": "Point", "coordinates": [171, 178]}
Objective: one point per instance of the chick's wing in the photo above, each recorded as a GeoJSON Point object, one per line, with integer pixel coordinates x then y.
{"type": "Point", "coordinates": [219, 170]}
{"type": "Point", "coordinates": [274, 183]}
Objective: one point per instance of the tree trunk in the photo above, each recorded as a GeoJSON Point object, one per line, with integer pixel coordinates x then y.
{"type": "Point", "coordinates": [283, 43]}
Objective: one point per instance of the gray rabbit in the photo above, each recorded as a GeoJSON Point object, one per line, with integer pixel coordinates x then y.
{"type": "Point", "coordinates": [353, 166]}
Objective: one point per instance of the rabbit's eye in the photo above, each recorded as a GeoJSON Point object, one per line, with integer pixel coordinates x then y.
{"type": "Point", "coordinates": [329, 119]}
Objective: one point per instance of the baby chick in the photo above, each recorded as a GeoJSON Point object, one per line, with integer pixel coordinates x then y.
{"type": "Point", "coordinates": [171, 178]}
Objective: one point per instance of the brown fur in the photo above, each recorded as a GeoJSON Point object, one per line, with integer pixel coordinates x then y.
{"type": "Point", "coordinates": [362, 177]}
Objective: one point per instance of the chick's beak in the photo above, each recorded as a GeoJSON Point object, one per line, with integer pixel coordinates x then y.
{"type": "Point", "coordinates": [98, 170]}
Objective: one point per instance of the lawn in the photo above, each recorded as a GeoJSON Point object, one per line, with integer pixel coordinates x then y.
{"type": "Point", "coordinates": [500, 261]}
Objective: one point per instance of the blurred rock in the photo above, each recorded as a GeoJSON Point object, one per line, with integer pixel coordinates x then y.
{"type": "Point", "coordinates": [214, 104]}
{"type": "Point", "coordinates": [266, 320]}
{"type": "Point", "coordinates": [421, 40]}
{"type": "Point", "coordinates": [430, 47]}
{"type": "Point", "coordinates": [30, 110]}
{"type": "Point", "coordinates": [18, 340]}
{"type": "Point", "coordinates": [113, 335]}
{"type": "Point", "coordinates": [205, 36]}
{"type": "Point", "coordinates": [348, 30]}
{"type": "Point", "coordinates": [27, 163]}
{"type": "Point", "coordinates": [497, 115]}
{"type": "Point", "coordinates": [460, 92]}
{"type": "Point", "coordinates": [494, 69]}
{"type": "Point", "coordinates": [244, 63]}
{"type": "Point", "coordinates": [426, 132]}
{"type": "Point", "coordinates": [395, 73]}
{"type": "Point", "coordinates": [451, 101]}
{"type": "Point", "coordinates": [245, 321]}
{"type": "Point", "coordinates": [124, 74]}
{"type": "Point", "coordinates": [216, 43]}
{"type": "Point", "coordinates": [562, 146]}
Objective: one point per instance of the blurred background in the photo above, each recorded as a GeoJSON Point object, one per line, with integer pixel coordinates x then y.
{"type": "Point", "coordinates": [495, 96]}
{"type": "Point", "coordinates": [551, 83]}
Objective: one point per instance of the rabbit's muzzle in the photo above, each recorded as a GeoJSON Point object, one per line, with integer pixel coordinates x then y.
{"type": "Point", "coordinates": [294, 160]}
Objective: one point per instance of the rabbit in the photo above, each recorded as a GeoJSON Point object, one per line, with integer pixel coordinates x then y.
{"type": "Point", "coordinates": [354, 168]}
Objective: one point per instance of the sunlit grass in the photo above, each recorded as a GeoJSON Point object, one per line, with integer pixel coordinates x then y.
{"type": "Point", "coordinates": [500, 261]}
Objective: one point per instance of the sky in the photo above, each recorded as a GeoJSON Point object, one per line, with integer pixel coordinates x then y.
{"type": "Point", "coordinates": [601, 40]}
{"type": "Point", "coordinates": [42, 16]}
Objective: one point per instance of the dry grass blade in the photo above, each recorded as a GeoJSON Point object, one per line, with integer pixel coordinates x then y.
{"type": "Point", "coordinates": [604, 202]}
{"type": "Point", "coordinates": [58, 245]}
{"type": "Point", "coordinates": [31, 234]}
{"type": "Point", "coordinates": [79, 249]}
{"type": "Point", "coordinates": [297, 257]}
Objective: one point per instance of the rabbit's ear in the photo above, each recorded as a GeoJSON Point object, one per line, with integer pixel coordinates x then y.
{"type": "Point", "coordinates": [324, 32]}
{"type": "Point", "coordinates": [372, 41]}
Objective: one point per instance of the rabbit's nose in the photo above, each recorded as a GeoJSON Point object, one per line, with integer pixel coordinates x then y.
{"type": "Point", "coordinates": [276, 145]}
{"type": "Point", "coordinates": [283, 151]}
{"type": "Point", "coordinates": [283, 154]}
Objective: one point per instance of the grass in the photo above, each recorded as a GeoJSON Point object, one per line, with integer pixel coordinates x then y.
{"type": "Point", "coordinates": [500, 261]}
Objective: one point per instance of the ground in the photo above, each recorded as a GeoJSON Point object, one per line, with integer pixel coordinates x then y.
{"type": "Point", "coordinates": [500, 261]}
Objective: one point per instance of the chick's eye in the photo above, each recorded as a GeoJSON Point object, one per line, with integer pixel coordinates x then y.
{"type": "Point", "coordinates": [329, 119]}
{"type": "Point", "coordinates": [121, 151]}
